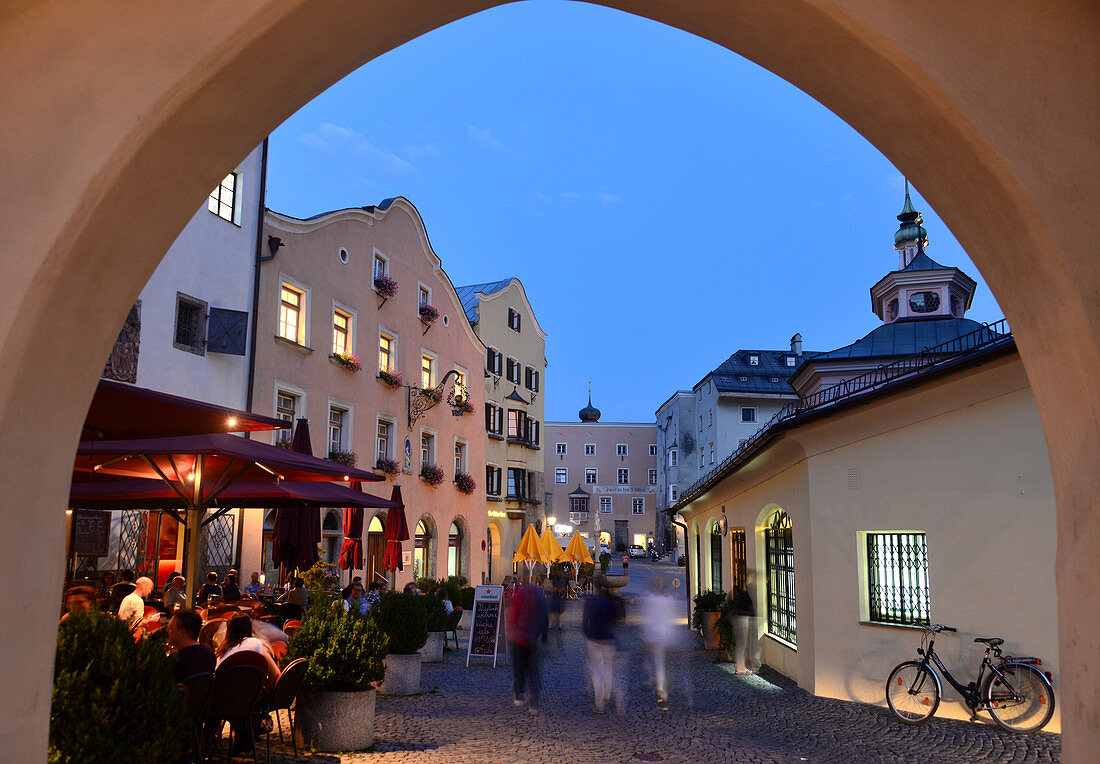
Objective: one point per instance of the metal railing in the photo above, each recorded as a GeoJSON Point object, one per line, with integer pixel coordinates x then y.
{"type": "Point", "coordinates": [983, 338]}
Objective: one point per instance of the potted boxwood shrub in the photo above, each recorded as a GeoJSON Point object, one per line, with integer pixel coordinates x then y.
{"type": "Point", "coordinates": [113, 699]}
{"type": "Point", "coordinates": [705, 615]}
{"type": "Point", "coordinates": [432, 651]}
{"type": "Point", "coordinates": [335, 707]}
{"type": "Point", "coordinates": [404, 620]}
{"type": "Point", "coordinates": [724, 628]}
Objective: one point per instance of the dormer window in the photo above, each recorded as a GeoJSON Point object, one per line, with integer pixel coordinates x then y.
{"type": "Point", "coordinates": [789, 360]}
{"type": "Point", "coordinates": [754, 360]}
{"type": "Point", "coordinates": [743, 379]}
{"type": "Point", "coordinates": [775, 379]}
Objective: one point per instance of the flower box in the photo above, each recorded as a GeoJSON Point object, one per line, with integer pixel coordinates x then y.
{"type": "Point", "coordinates": [462, 406]}
{"type": "Point", "coordinates": [349, 361]}
{"type": "Point", "coordinates": [431, 393]}
{"type": "Point", "coordinates": [432, 474]}
{"type": "Point", "coordinates": [385, 286]}
{"type": "Point", "coordinates": [391, 378]}
{"type": "Point", "coordinates": [428, 314]}
{"type": "Point", "coordinates": [464, 482]}
{"type": "Point", "coordinates": [346, 458]}
{"type": "Point", "coordinates": [387, 467]}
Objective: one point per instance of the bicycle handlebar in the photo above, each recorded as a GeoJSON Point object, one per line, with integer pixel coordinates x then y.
{"type": "Point", "coordinates": [937, 627]}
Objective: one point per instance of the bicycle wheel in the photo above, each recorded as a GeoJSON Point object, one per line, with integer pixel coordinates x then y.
{"type": "Point", "coordinates": [913, 692]}
{"type": "Point", "coordinates": [1022, 701]}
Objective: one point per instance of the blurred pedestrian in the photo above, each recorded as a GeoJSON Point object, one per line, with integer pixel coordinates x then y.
{"type": "Point", "coordinates": [746, 639]}
{"type": "Point", "coordinates": [658, 632]}
{"type": "Point", "coordinates": [526, 625]}
{"type": "Point", "coordinates": [601, 614]}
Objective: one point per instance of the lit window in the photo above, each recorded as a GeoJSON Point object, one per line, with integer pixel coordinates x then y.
{"type": "Point", "coordinates": [290, 314]}
{"type": "Point", "coordinates": [653, 477]}
{"type": "Point", "coordinates": [897, 578]}
{"type": "Point", "coordinates": [461, 391]}
{"type": "Point", "coordinates": [620, 449]}
{"type": "Point", "coordinates": [223, 198]}
{"type": "Point", "coordinates": [779, 560]}
{"type": "Point", "coordinates": [387, 357]}
{"type": "Point", "coordinates": [286, 408]}
{"type": "Point", "coordinates": [605, 505]}
{"type": "Point", "coordinates": [589, 449]}
{"type": "Point", "coordinates": [748, 414]}
{"type": "Point", "coordinates": [590, 476]}
{"type": "Point", "coordinates": [623, 476]}
{"type": "Point", "coordinates": [561, 448]}
{"type": "Point", "coordinates": [341, 331]}
{"type": "Point", "coordinates": [427, 371]}
{"type": "Point", "coordinates": [561, 474]}
{"type": "Point", "coordinates": [637, 506]}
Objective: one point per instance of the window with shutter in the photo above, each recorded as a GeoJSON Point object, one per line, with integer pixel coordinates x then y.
{"type": "Point", "coordinates": [489, 417]}
{"type": "Point", "coordinates": [190, 324]}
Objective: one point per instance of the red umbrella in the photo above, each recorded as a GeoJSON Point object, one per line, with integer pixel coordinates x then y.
{"type": "Point", "coordinates": [397, 530]}
{"type": "Point", "coordinates": [351, 553]}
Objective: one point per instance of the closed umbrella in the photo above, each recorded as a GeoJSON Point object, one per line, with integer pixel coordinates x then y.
{"type": "Point", "coordinates": [351, 553]}
{"type": "Point", "coordinates": [297, 534]}
{"type": "Point", "coordinates": [397, 531]}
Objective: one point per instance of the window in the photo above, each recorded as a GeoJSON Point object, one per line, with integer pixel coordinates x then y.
{"type": "Point", "coordinates": [286, 408]}
{"type": "Point", "coordinates": [790, 361]}
{"type": "Point", "coordinates": [423, 296]}
{"type": "Point", "coordinates": [637, 506]}
{"type": "Point", "coordinates": [673, 457]}
{"type": "Point", "coordinates": [290, 315]}
{"type": "Point", "coordinates": [455, 552]}
{"type": "Point", "coordinates": [748, 414]}
{"type": "Point", "coordinates": [385, 437]}
{"type": "Point", "coordinates": [461, 391]}
{"type": "Point", "coordinates": [712, 453]}
{"type": "Point", "coordinates": [589, 449]}
{"type": "Point", "coordinates": [460, 457]}
{"type": "Point", "coordinates": [381, 266]}
{"type": "Point", "coordinates": [700, 421]}
{"type": "Point", "coordinates": [190, 324]}
{"type": "Point", "coordinates": [494, 419]}
{"type": "Point", "coordinates": [779, 558]}
{"type": "Point", "coordinates": [427, 450]}
{"type": "Point", "coordinates": [578, 504]}
{"type": "Point", "coordinates": [739, 572]}
{"type": "Point", "coordinates": [775, 379]}
{"type": "Point", "coordinates": [513, 319]}
{"type": "Point", "coordinates": [341, 332]}
{"type": "Point", "coordinates": [620, 449]}
{"type": "Point", "coordinates": [387, 352]}
{"type": "Point", "coordinates": [517, 483]}
{"type": "Point", "coordinates": [710, 417]}
{"type": "Point", "coordinates": [702, 457]}
{"type": "Point", "coordinates": [514, 427]}
{"type": "Point", "coordinates": [493, 360]}
{"type": "Point", "coordinates": [623, 476]}
{"type": "Point", "coordinates": [513, 368]}
{"type": "Point", "coordinates": [754, 360]}
{"type": "Point", "coordinates": [561, 474]}
{"type": "Point", "coordinates": [591, 475]}
{"type": "Point", "coordinates": [337, 417]}
{"type": "Point", "coordinates": [673, 493]}
{"type": "Point", "coordinates": [561, 449]}
{"type": "Point", "coordinates": [605, 505]}
{"type": "Point", "coordinates": [652, 449]}
{"type": "Point", "coordinates": [223, 199]}
{"type": "Point", "coordinates": [897, 578]}
{"type": "Point", "coordinates": [653, 477]}
{"type": "Point", "coordinates": [492, 480]}
{"type": "Point", "coordinates": [531, 379]}
{"type": "Point", "coordinates": [427, 370]}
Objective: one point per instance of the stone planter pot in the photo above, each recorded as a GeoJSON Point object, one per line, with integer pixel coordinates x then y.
{"type": "Point", "coordinates": [432, 651]}
{"type": "Point", "coordinates": [464, 621]}
{"type": "Point", "coordinates": [402, 675]}
{"type": "Point", "coordinates": [710, 630]}
{"type": "Point", "coordinates": [335, 721]}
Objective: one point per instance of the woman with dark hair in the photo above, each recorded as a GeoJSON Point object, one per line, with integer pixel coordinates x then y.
{"type": "Point", "coordinates": [241, 648]}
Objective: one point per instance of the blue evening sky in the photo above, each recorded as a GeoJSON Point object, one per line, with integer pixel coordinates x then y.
{"type": "Point", "coordinates": [663, 200]}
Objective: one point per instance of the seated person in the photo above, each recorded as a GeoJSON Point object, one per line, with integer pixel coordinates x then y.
{"type": "Point", "coordinates": [183, 637]}
{"type": "Point", "coordinates": [210, 589]}
{"type": "Point", "coordinates": [119, 591]}
{"type": "Point", "coordinates": [374, 594]}
{"type": "Point", "coordinates": [254, 587]}
{"type": "Point", "coordinates": [239, 638]}
{"type": "Point", "coordinates": [297, 594]}
{"type": "Point", "coordinates": [230, 591]}
{"type": "Point", "coordinates": [176, 596]}
{"type": "Point", "coordinates": [351, 596]}
{"type": "Point", "coordinates": [79, 599]}
{"type": "Point", "coordinates": [132, 609]}
{"type": "Point", "coordinates": [447, 605]}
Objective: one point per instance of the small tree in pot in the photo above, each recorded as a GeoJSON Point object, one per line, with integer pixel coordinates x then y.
{"type": "Point", "coordinates": [404, 619]}
{"type": "Point", "coordinates": [345, 653]}
{"type": "Point", "coordinates": [705, 615]}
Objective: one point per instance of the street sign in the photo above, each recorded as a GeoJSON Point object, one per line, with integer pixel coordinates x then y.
{"type": "Point", "coordinates": [485, 623]}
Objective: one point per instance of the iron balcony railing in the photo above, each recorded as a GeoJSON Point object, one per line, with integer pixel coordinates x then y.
{"type": "Point", "coordinates": [983, 338]}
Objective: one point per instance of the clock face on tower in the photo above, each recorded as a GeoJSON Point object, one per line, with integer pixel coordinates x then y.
{"type": "Point", "coordinates": [924, 302]}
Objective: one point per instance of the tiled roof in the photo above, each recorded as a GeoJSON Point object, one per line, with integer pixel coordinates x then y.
{"type": "Point", "coordinates": [903, 337]}
{"type": "Point", "coordinates": [468, 295]}
{"type": "Point", "coordinates": [738, 375]}
{"type": "Point", "coordinates": [923, 262]}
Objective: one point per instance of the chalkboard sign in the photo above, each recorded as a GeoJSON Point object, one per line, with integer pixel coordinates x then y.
{"type": "Point", "coordinates": [91, 530]}
{"type": "Point", "coordinates": [485, 624]}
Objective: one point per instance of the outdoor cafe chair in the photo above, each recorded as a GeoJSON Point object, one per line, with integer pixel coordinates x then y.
{"type": "Point", "coordinates": [196, 694]}
{"type": "Point", "coordinates": [233, 697]}
{"type": "Point", "coordinates": [452, 626]}
{"type": "Point", "coordinates": [282, 697]}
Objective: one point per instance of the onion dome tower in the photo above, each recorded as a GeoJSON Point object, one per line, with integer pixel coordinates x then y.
{"type": "Point", "coordinates": [589, 413]}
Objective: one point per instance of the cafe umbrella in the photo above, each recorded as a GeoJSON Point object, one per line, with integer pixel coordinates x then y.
{"type": "Point", "coordinates": [200, 468]}
{"type": "Point", "coordinates": [297, 534]}
{"type": "Point", "coordinates": [530, 549]}
{"type": "Point", "coordinates": [550, 545]}
{"type": "Point", "coordinates": [397, 531]}
{"type": "Point", "coordinates": [351, 552]}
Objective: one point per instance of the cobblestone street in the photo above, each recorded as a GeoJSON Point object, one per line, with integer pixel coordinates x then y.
{"type": "Point", "coordinates": [467, 715]}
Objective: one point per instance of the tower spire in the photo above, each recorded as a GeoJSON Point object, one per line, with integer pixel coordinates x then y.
{"type": "Point", "coordinates": [911, 237]}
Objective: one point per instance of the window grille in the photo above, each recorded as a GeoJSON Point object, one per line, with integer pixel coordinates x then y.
{"type": "Point", "coordinates": [739, 571]}
{"type": "Point", "coordinates": [779, 550]}
{"type": "Point", "coordinates": [897, 578]}
{"type": "Point", "coordinates": [189, 325]}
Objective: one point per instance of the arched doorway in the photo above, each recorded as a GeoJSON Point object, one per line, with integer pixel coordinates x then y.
{"type": "Point", "coordinates": [331, 536]}
{"type": "Point", "coordinates": [376, 548]}
{"type": "Point", "coordinates": [458, 553]}
{"type": "Point", "coordinates": [424, 549]}
{"type": "Point", "coordinates": [496, 569]}
{"type": "Point", "coordinates": [956, 112]}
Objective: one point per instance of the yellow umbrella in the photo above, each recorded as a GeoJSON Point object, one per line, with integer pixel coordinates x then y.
{"type": "Point", "coordinates": [529, 549]}
{"type": "Point", "coordinates": [550, 545]}
{"type": "Point", "coordinates": [576, 551]}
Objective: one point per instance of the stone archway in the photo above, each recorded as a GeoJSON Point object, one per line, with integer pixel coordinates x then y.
{"type": "Point", "coordinates": [108, 147]}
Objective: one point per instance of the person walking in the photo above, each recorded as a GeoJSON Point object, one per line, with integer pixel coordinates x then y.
{"type": "Point", "coordinates": [601, 613]}
{"type": "Point", "coordinates": [526, 624]}
{"type": "Point", "coordinates": [658, 632]}
{"type": "Point", "coordinates": [746, 640]}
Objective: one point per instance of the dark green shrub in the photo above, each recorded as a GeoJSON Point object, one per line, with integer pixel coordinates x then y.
{"type": "Point", "coordinates": [605, 561]}
{"type": "Point", "coordinates": [427, 585]}
{"type": "Point", "coordinates": [620, 547]}
{"type": "Point", "coordinates": [465, 598]}
{"type": "Point", "coordinates": [557, 570]}
{"type": "Point", "coordinates": [404, 619]}
{"type": "Point", "coordinates": [113, 699]}
{"type": "Point", "coordinates": [709, 601]}
{"type": "Point", "coordinates": [322, 583]}
{"type": "Point", "coordinates": [725, 625]}
{"type": "Point", "coordinates": [344, 650]}
{"type": "Point", "coordinates": [454, 586]}
{"type": "Point", "coordinates": [435, 612]}
{"type": "Point", "coordinates": [587, 570]}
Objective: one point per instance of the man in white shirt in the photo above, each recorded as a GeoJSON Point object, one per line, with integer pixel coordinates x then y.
{"type": "Point", "coordinates": [132, 608]}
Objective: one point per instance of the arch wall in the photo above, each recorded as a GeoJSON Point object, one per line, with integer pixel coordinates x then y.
{"type": "Point", "coordinates": [108, 147]}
